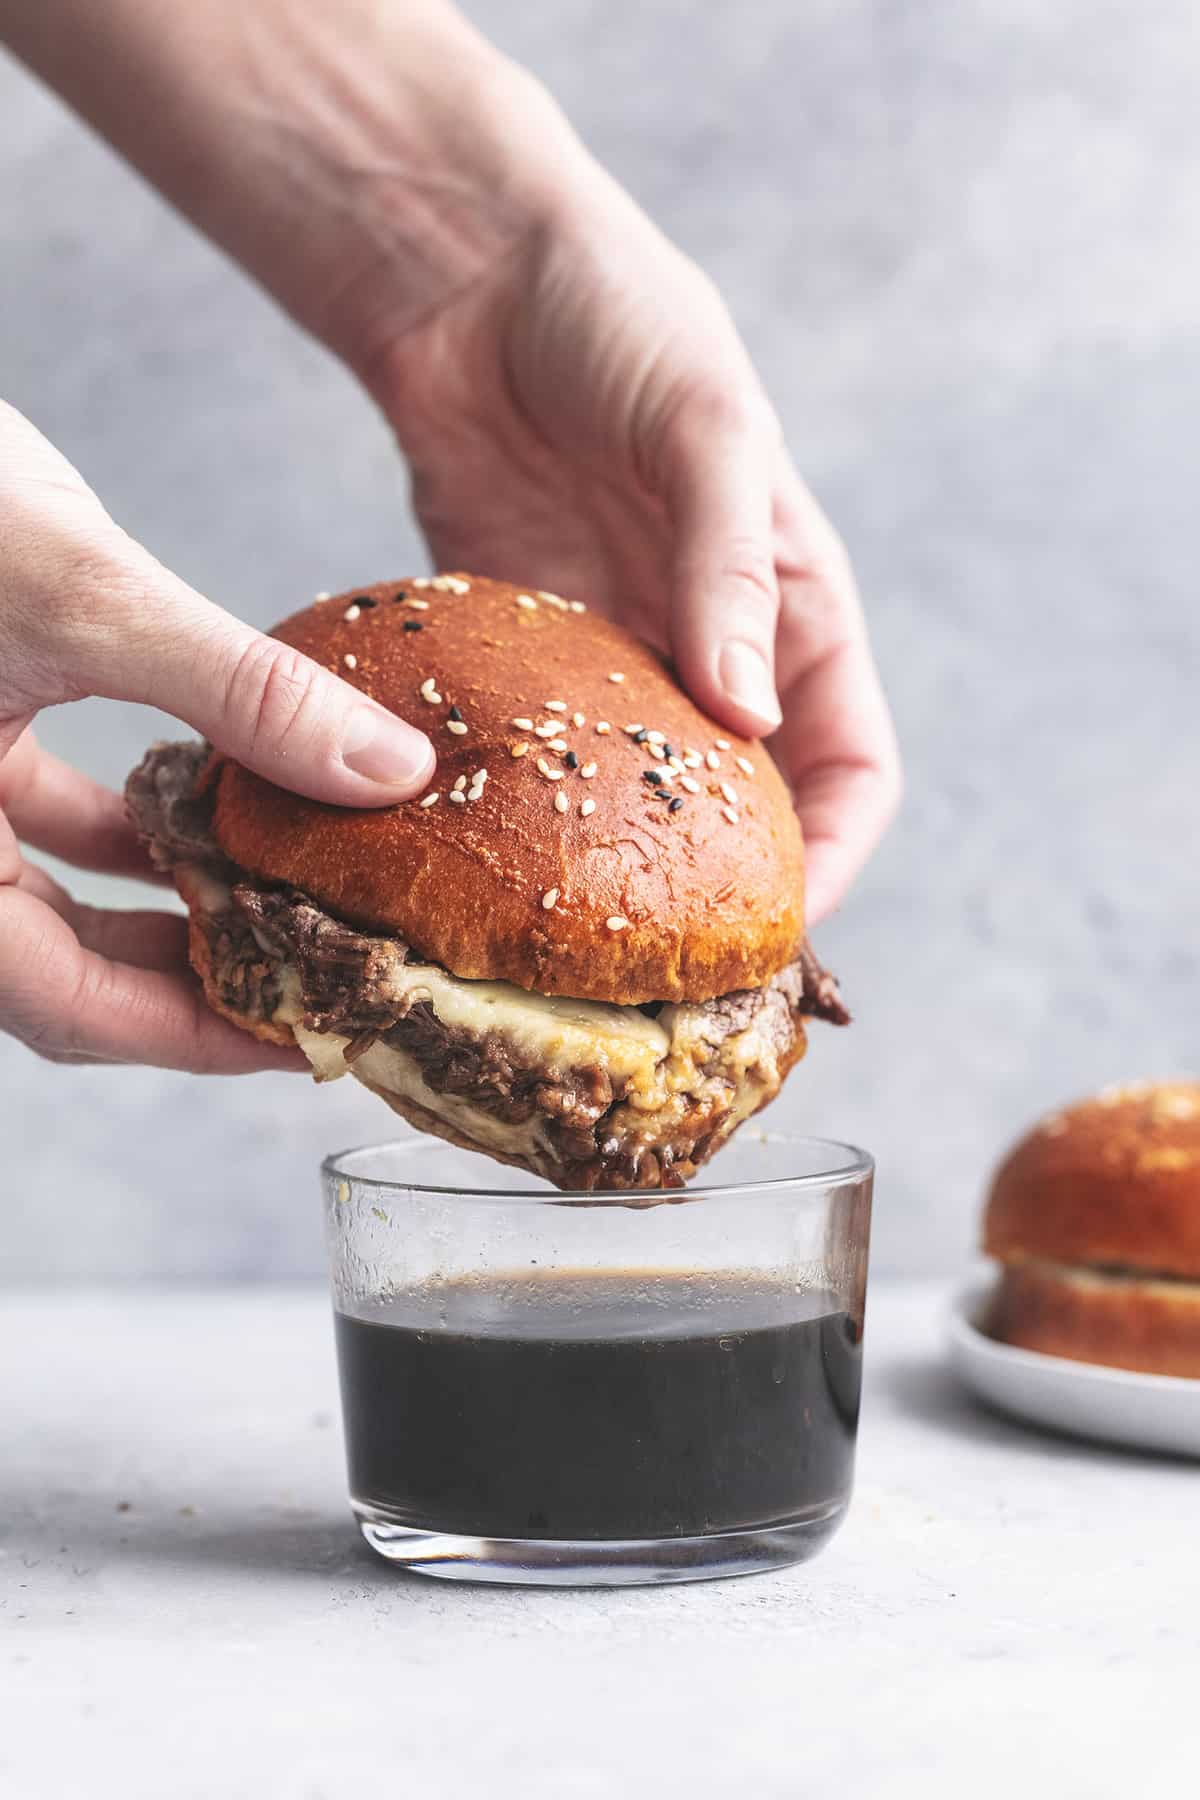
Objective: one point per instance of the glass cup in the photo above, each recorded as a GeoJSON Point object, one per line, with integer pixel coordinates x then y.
{"type": "Point", "coordinates": [553, 1388]}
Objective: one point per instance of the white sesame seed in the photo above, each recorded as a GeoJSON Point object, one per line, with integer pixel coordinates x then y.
{"type": "Point", "coordinates": [558, 744]}
{"type": "Point", "coordinates": [518, 749]}
{"type": "Point", "coordinates": [577, 606]}
{"type": "Point", "coordinates": [419, 581]}
{"type": "Point", "coordinates": [693, 787]}
{"type": "Point", "coordinates": [451, 584]}
{"type": "Point", "coordinates": [674, 763]}
{"type": "Point", "coordinates": [527, 602]}
{"type": "Point", "coordinates": [324, 595]}
{"type": "Point", "coordinates": [550, 899]}
{"type": "Point", "coordinates": [554, 705]}
{"type": "Point", "coordinates": [429, 690]}
{"type": "Point", "coordinates": [730, 812]}
{"type": "Point", "coordinates": [350, 660]}
{"type": "Point", "coordinates": [587, 771]}
{"type": "Point", "coordinates": [617, 677]}
{"type": "Point", "coordinates": [692, 759]}
{"type": "Point", "coordinates": [722, 743]}
{"type": "Point", "coordinates": [475, 793]}
{"type": "Point", "coordinates": [459, 799]}
{"type": "Point", "coordinates": [602, 727]}
{"type": "Point", "coordinates": [616, 923]}
{"type": "Point", "coordinates": [632, 730]}
{"type": "Point", "coordinates": [522, 724]}
{"type": "Point", "coordinates": [578, 719]}
{"type": "Point", "coordinates": [460, 784]}
{"type": "Point", "coordinates": [656, 750]}
{"type": "Point", "coordinates": [429, 800]}
{"type": "Point", "coordinates": [545, 769]}
{"type": "Point", "coordinates": [457, 726]}
{"type": "Point", "coordinates": [713, 760]}
{"type": "Point", "coordinates": [542, 594]}
{"type": "Point", "coordinates": [561, 802]}
{"type": "Point", "coordinates": [586, 807]}
{"type": "Point", "coordinates": [546, 730]}
{"type": "Point", "coordinates": [554, 600]}
{"type": "Point", "coordinates": [744, 764]}
{"type": "Point", "coordinates": [480, 776]}
{"type": "Point", "coordinates": [351, 613]}
{"type": "Point", "coordinates": [417, 605]}
{"type": "Point", "coordinates": [729, 792]}
{"type": "Point", "coordinates": [656, 737]}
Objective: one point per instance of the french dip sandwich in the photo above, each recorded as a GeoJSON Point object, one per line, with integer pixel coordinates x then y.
{"type": "Point", "coordinates": [581, 951]}
{"type": "Point", "coordinates": [1094, 1218]}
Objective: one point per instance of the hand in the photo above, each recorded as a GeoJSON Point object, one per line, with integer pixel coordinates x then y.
{"type": "Point", "coordinates": [584, 418]}
{"type": "Point", "coordinates": [84, 610]}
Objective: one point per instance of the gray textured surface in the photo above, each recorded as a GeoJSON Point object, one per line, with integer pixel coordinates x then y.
{"type": "Point", "coordinates": [962, 242]}
{"type": "Point", "coordinates": [1002, 1613]}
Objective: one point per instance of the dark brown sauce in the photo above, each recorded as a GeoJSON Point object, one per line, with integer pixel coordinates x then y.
{"type": "Point", "coordinates": [607, 1406]}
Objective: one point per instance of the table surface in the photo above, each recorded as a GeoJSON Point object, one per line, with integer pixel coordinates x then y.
{"type": "Point", "coordinates": [185, 1609]}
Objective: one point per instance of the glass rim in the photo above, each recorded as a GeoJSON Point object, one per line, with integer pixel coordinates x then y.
{"type": "Point", "coordinates": [854, 1164]}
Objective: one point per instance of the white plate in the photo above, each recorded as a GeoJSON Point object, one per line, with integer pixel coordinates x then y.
{"type": "Point", "coordinates": [1146, 1412]}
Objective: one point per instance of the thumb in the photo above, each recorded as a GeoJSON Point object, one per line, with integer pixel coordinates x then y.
{"type": "Point", "coordinates": [725, 595]}
{"type": "Point", "coordinates": [270, 707]}
{"type": "Point", "coordinates": [86, 610]}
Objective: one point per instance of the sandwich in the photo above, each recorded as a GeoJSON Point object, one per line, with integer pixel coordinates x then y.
{"type": "Point", "coordinates": [580, 951]}
{"type": "Point", "coordinates": [1094, 1218]}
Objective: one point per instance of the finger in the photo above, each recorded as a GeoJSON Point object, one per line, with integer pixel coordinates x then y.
{"type": "Point", "coordinates": [836, 744]}
{"type": "Point", "coordinates": [89, 611]}
{"type": "Point", "coordinates": [143, 939]}
{"type": "Point", "coordinates": [53, 807]}
{"type": "Point", "coordinates": [724, 596]}
{"type": "Point", "coordinates": [260, 701]}
{"type": "Point", "coordinates": [71, 1004]}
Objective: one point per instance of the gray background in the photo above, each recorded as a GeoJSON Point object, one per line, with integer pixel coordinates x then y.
{"type": "Point", "coordinates": [961, 241]}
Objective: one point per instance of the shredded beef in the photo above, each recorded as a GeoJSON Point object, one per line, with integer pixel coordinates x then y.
{"type": "Point", "coordinates": [170, 808]}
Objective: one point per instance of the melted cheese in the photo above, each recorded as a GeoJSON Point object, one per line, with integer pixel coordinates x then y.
{"type": "Point", "coordinates": [396, 1077]}
{"type": "Point", "coordinates": [543, 1032]}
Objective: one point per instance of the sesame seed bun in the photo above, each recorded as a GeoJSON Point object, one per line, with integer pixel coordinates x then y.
{"type": "Point", "coordinates": [635, 899]}
{"type": "Point", "coordinates": [1095, 1217]}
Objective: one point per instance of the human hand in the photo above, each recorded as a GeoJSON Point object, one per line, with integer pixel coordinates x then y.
{"type": "Point", "coordinates": [584, 418]}
{"type": "Point", "coordinates": [84, 610]}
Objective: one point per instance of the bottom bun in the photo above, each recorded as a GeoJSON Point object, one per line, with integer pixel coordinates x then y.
{"type": "Point", "coordinates": [1123, 1321]}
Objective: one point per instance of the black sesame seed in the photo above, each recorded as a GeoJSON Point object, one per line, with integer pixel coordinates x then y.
{"type": "Point", "coordinates": [639, 737]}
{"type": "Point", "coordinates": [413, 625]}
{"type": "Point", "coordinates": [676, 803]}
{"type": "Point", "coordinates": [571, 760]}
{"type": "Point", "coordinates": [667, 750]}
{"type": "Point", "coordinates": [366, 602]}
{"type": "Point", "coordinates": [397, 598]}
{"type": "Point", "coordinates": [455, 715]}
{"type": "Point", "coordinates": [652, 776]}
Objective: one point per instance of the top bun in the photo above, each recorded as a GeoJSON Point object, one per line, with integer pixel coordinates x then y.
{"type": "Point", "coordinates": [516, 883]}
{"type": "Point", "coordinates": [1112, 1182]}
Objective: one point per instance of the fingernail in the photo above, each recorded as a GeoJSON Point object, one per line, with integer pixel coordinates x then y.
{"type": "Point", "coordinates": [747, 681]}
{"type": "Point", "coordinates": [385, 749]}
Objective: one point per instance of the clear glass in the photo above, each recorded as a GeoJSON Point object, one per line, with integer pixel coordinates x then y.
{"type": "Point", "coordinates": [576, 1388]}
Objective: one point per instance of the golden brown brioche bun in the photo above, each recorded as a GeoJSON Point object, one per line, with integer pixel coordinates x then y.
{"type": "Point", "coordinates": [1112, 1182]}
{"type": "Point", "coordinates": [1095, 1216]}
{"type": "Point", "coordinates": [713, 891]}
{"type": "Point", "coordinates": [1127, 1322]}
